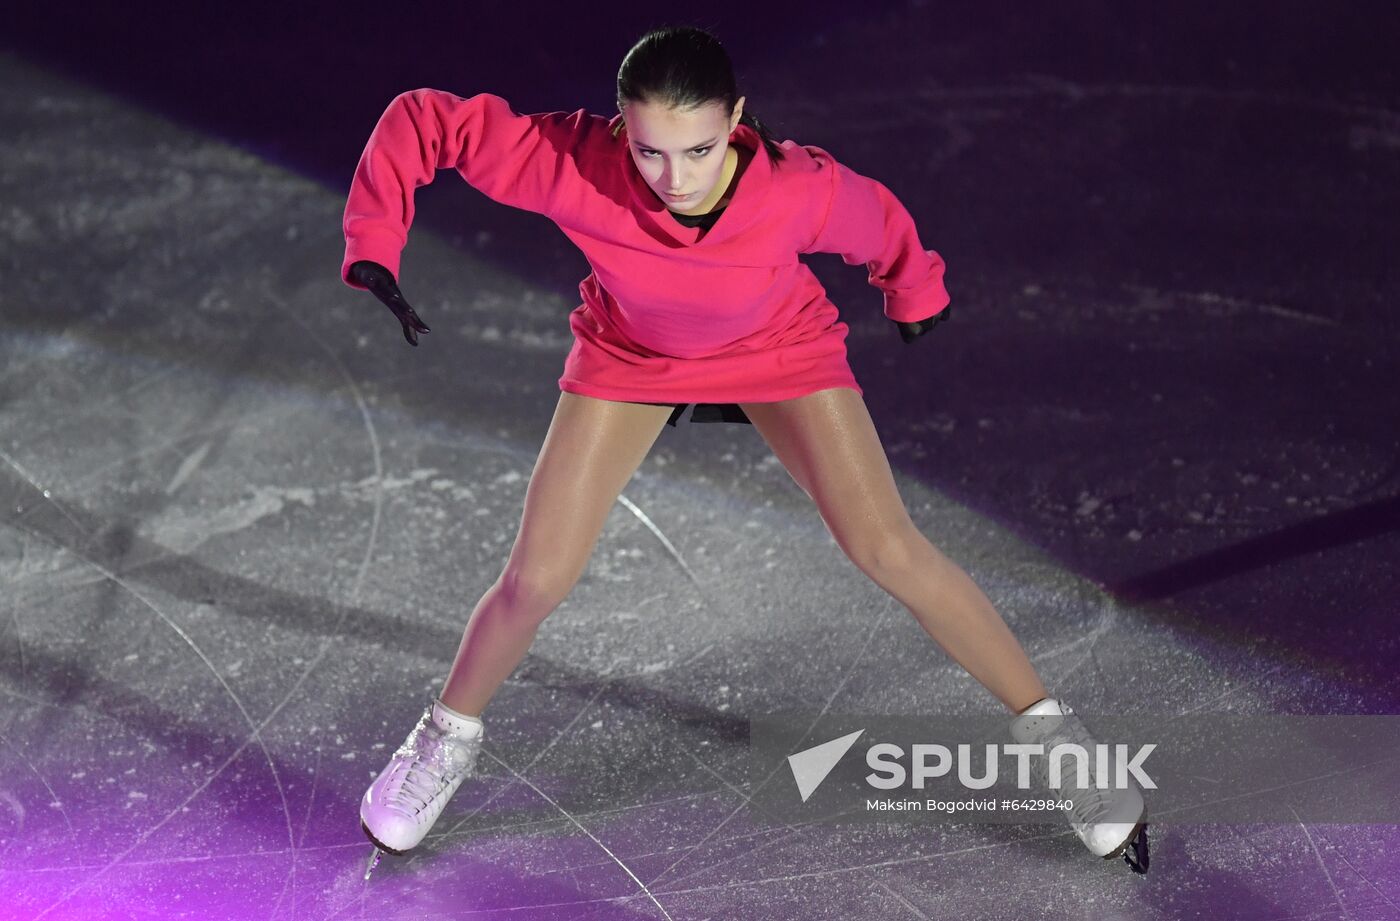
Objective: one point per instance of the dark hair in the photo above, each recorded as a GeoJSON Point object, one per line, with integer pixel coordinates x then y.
{"type": "Point", "coordinates": [684, 67]}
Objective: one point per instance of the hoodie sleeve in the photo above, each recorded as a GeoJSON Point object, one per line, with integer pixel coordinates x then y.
{"type": "Point", "coordinates": [517, 160]}
{"type": "Point", "coordinates": [867, 225]}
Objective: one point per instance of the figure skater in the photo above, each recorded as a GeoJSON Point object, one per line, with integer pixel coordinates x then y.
{"type": "Point", "coordinates": [692, 216]}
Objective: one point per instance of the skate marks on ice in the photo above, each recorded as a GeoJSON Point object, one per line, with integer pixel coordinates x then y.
{"type": "Point", "coordinates": [746, 797]}
{"type": "Point", "coordinates": [16, 808]}
{"type": "Point", "coordinates": [645, 889]}
{"type": "Point", "coordinates": [16, 814]}
{"type": "Point", "coordinates": [253, 737]}
{"type": "Point", "coordinates": [80, 537]}
{"type": "Point", "coordinates": [665, 542]}
{"type": "Point", "coordinates": [1340, 855]}
{"type": "Point", "coordinates": [75, 543]}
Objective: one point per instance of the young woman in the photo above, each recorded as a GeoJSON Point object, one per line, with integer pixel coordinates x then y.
{"type": "Point", "coordinates": [692, 217]}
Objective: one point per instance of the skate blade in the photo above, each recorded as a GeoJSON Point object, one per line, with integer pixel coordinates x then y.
{"type": "Point", "coordinates": [373, 862]}
{"type": "Point", "coordinates": [1134, 849]}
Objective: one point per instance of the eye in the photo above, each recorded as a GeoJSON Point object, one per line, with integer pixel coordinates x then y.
{"type": "Point", "coordinates": [699, 151]}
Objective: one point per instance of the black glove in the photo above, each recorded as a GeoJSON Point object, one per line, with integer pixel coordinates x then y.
{"type": "Point", "coordinates": [911, 331]}
{"type": "Point", "coordinates": [382, 285]}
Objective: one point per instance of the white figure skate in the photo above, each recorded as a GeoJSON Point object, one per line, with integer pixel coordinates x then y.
{"type": "Point", "coordinates": [407, 797]}
{"type": "Point", "coordinates": [1110, 822]}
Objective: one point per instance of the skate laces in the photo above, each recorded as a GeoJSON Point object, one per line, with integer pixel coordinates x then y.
{"type": "Point", "coordinates": [434, 759]}
{"type": "Point", "coordinates": [1089, 802]}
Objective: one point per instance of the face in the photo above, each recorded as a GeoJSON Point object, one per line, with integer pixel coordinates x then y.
{"type": "Point", "coordinates": [680, 150]}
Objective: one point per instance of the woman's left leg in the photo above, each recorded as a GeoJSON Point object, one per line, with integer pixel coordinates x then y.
{"type": "Point", "coordinates": [829, 446]}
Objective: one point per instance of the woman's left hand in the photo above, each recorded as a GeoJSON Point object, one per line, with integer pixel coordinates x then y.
{"type": "Point", "coordinates": [911, 331]}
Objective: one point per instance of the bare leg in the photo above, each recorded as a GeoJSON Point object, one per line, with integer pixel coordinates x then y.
{"type": "Point", "coordinates": [590, 452]}
{"type": "Point", "coordinates": [829, 445]}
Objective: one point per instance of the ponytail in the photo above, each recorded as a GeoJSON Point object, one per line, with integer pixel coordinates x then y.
{"type": "Point", "coordinates": [770, 143]}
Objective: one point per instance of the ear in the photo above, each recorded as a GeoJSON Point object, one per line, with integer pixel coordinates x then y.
{"type": "Point", "coordinates": [738, 113]}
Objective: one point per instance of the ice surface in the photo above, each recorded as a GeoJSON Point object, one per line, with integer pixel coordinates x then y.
{"type": "Point", "coordinates": [243, 523]}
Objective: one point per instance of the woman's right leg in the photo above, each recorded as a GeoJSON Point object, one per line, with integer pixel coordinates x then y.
{"type": "Point", "coordinates": [590, 452]}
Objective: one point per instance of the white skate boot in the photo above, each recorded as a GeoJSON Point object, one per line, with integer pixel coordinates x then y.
{"type": "Point", "coordinates": [1110, 822]}
{"type": "Point", "coordinates": [407, 797]}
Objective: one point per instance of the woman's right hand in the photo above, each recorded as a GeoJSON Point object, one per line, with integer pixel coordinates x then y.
{"type": "Point", "coordinates": [382, 285]}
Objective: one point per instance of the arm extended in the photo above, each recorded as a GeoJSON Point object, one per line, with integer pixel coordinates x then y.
{"type": "Point", "coordinates": [518, 160]}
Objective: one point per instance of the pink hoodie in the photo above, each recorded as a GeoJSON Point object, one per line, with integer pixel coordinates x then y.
{"type": "Point", "coordinates": [670, 313]}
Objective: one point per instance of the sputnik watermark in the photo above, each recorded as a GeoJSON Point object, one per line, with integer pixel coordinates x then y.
{"type": "Point", "coordinates": [890, 774]}
{"type": "Point", "coordinates": [1197, 767]}
{"type": "Point", "coordinates": [1111, 765]}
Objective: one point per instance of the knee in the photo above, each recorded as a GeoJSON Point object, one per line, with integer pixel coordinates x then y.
{"type": "Point", "coordinates": [887, 550]}
{"type": "Point", "coordinates": [533, 589]}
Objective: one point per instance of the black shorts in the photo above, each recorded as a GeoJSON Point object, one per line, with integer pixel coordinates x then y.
{"type": "Point", "coordinates": [705, 412]}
